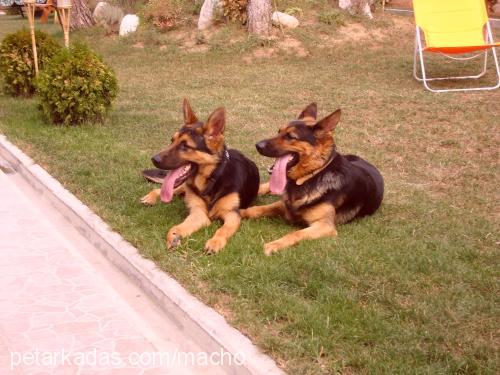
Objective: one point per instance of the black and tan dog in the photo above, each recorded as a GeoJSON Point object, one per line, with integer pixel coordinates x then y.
{"type": "Point", "coordinates": [216, 182]}
{"type": "Point", "coordinates": [320, 188]}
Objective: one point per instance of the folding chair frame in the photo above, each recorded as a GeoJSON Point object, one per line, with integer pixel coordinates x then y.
{"type": "Point", "coordinates": [419, 50]}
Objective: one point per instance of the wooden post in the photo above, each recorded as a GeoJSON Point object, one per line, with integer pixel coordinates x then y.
{"type": "Point", "coordinates": [64, 16]}
{"type": "Point", "coordinates": [30, 7]}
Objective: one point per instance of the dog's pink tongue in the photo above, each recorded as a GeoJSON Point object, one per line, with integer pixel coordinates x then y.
{"type": "Point", "coordinates": [277, 182]}
{"type": "Point", "coordinates": [167, 188]}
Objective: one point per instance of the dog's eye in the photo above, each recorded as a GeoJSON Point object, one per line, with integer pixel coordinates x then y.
{"type": "Point", "coordinates": [183, 146]}
{"type": "Point", "coordinates": [290, 136]}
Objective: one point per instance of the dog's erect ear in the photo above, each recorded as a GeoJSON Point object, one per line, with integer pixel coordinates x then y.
{"type": "Point", "coordinates": [216, 122]}
{"type": "Point", "coordinates": [189, 116]}
{"type": "Point", "coordinates": [310, 112]}
{"type": "Point", "coordinates": [329, 122]}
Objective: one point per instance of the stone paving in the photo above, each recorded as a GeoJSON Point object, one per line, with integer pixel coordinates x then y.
{"type": "Point", "coordinates": [57, 314]}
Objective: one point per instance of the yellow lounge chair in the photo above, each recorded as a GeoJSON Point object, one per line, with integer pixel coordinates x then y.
{"type": "Point", "coordinates": [452, 27]}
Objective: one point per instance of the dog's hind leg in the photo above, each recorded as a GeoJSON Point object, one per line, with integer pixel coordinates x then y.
{"type": "Point", "coordinates": [226, 209]}
{"type": "Point", "coordinates": [315, 230]}
{"type": "Point", "coordinates": [196, 219]}
{"type": "Point", "coordinates": [321, 219]}
{"type": "Point", "coordinates": [269, 210]}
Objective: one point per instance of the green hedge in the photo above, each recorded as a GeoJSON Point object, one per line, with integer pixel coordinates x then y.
{"type": "Point", "coordinates": [16, 60]}
{"type": "Point", "coordinates": [76, 87]}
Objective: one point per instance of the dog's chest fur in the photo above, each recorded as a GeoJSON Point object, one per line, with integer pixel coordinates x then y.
{"type": "Point", "coordinates": [316, 190]}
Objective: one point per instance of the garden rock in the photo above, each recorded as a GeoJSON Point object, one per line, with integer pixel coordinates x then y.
{"type": "Point", "coordinates": [129, 24]}
{"type": "Point", "coordinates": [285, 20]}
{"type": "Point", "coordinates": [357, 6]}
{"type": "Point", "coordinates": [108, 15]}
{"type": "Point", "coordinates": [99, 10]}
{"type": "Point", "coordinates": [207, 14]}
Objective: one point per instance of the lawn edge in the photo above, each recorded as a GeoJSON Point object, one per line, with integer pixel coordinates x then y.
{"type": "Point", "coordinates": [199, 321]}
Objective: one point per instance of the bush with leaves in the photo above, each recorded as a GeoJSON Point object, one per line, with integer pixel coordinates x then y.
{"type": "Point", "coordinates": [234, 10]}
{"type": "Point", "coordinates": [16, 60]}
{"type": "Point", "coordinates": [332, 17]}
{"type": "Point", "coordinates": [164, 14]}
{"type": "Point", "coordinates": [76, 87]}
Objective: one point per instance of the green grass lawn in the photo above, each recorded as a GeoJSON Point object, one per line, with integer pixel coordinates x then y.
{"type": "Point", "coordinates": [412, 289]}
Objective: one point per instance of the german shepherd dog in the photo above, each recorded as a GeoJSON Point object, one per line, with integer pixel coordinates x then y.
{"type": "Point", "coordinates": [320, 188]}
{"type": "Point", "coordinates": [216, 182]}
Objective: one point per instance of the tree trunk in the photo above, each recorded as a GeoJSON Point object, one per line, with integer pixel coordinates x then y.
{"type": "Point", "coordinates": [357, 6]}
{"type": "Point", "coordinates": [259, 17]}
{"type": "Point", "coordinates": [81, 16]}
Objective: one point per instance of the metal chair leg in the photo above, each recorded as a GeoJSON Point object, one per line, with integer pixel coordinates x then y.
{"type": "Point", "coordinates": [425, 79]}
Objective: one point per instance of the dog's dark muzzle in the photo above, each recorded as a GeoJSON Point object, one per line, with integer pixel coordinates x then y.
{"type": "Point", "coordinates": [267, 148]}
{"type": "Point", "coordinates": [157, 162]}
{"type": "Point", "coordinates": [166, 161]}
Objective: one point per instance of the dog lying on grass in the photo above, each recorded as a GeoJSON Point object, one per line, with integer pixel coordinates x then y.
{"type": "Point", "coordinates": [216, 182]}
{"type": "Point", "coordinates": [319, 187]}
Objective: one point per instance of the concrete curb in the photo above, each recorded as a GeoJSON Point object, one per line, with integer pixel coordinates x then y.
{"type": "Point", "coordinates": [199, 321]}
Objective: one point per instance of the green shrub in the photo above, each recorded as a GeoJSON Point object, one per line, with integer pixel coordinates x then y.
{"type": "Point", "coordinates": [235, 10]}
{"type": "Point", "coordinates": [76, 87]}
{"type": "Point", "coordinates": [196, 7]}
{"type": "Point", "coordinates": [16, 60]}
{"type": "Point", "coordinates": [128, 6]}
{"type": "Point", "coordinates": [332, 17]}
{"type": "Point", "coordinates": [164, 14]}
{"type": "Point", "coordinates": [294, 11]}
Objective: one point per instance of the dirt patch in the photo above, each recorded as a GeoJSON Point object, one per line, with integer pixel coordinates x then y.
{"type": "Point", "coordinates": [259, 54]}
{"type": "Point", "coordinates": [358, 33]}
{"type": "Point", "coordinates": [403, 23]}
{"type": "Point", "coordinates": [264, 53]}
{"type": "Point", "coordinates": [293, 46]}
{"type": "Point", "coordinates": [400, 4]}
{"type": "Point", "coordinates": [288, 44]}
{"type": "Point", "coordinates": [194, 47]}
{"type": "Point", "coordinates": [191, 40]}
{"type": "Point", "coordinates": [139, 45]}
{"type": "Point", "coordinates": [353, 33]}
{"type": "Point", "coordinates": [223, 306]}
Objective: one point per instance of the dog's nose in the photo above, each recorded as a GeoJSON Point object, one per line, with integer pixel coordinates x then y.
{"type": "Point", "coordinates": [156, 160]}
{"type": "Point", "coordinates": [261, 146]}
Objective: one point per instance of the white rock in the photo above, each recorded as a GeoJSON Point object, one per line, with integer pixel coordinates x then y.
{"type": "Point", "coordinates": [207, 14]}
{"type": "Point", "coordinates": [284, 19]}
{"type": "Point", "coordinates": [98, 9]}
{"type": "Point", "coordinates": [349, 5]}
{"type": "Point", "coordinates": [129, 24]}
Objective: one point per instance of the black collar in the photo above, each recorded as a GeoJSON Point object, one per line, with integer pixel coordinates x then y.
{"type": "Point", "coordinates": [216, 174]}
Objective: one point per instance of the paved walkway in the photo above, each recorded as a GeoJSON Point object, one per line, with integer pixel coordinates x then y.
{"type": "Point", "coordinates": [62, 312]}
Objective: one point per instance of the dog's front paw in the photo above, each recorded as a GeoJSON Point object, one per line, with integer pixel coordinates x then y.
{"type": "Point", "coordinates": [173, 238]}
{"type": "Point", "coordinates": [272, 247]}
{"type": "Point", "coordinates": [215, 244]}
{"type": "Point", "coordinates": [150, 199]}
{"type": "Point", "coordinates": [244, 213]}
